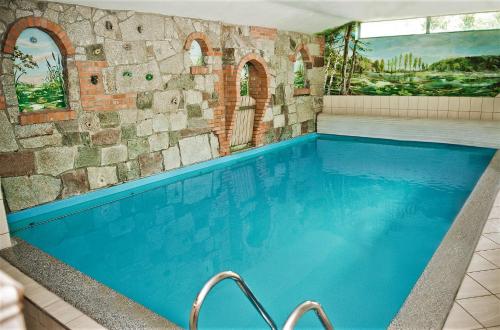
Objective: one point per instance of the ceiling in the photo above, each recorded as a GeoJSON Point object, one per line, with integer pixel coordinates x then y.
{"type": "Point", "coordinates": [296, 15]}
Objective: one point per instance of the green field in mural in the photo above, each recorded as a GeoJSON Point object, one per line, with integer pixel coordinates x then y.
{"type": "Point", "coordinates": [442, 64]}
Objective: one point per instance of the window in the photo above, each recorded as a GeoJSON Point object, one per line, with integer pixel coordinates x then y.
{"type": "Point", "coordinates": [244, 78]}
{"type": "Point", "coordinates": [299, 74]}
{"type": "Point", "coordinates": [467, 22]}
{"type": "Point", "coordinates": [38, 72]}
{"type": "Point", "coordinates": [392, 28]}
{"type": "Point", "coordinates": [196, 54]}
{"type": "Point", "coordinates": [436, 24]}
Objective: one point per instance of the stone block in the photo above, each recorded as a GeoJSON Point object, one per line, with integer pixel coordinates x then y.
{"type": "Point", "coordinates": [80, 33]}
{"type": "Point", "coordinates": [114, 154]}
{"type": "Point", "coordinates": [158, 142]}
{"type": "Point", "coordinates": [195, 149]}
{"type": "Point", "coordinates": [130, 52]}
{"type": "Point", "coordinates": [55, 160]}
{"type": "Point", "coordinates": [128, 171]}
{"type": "Point", "coordinates": [137, 147]}
{"type": "Point", "coordinates": [87, 156]}
{"type": "Point", "coordinates": [101, 30]}
{"type": "Point", "coordinates": [175, 64]}
{"type": "Point", "coordinates": [41, 141]}
{"type": "Point", "coordinates": [129, 132]}
{"type": "Point", "coordinates": [178, 120]}
{"type": "Point", "coordinates": [143, 27]}
{"type": "Point", "coordinates": [144, 100]}
{"type": "Point", "coordinates": [28, 131]}
{"type": "Point", "coordinates": [109, 119]}
{"type": "Point", "coordinates": [193, 97]}
{"type": "Point", "coordinates": [183, 81]}
{"type": "Point", "coordinates": [137, 81]}
{"type": "Point", "coordinates": [106, 137]}
{"type": "Point", "coordinates": [74, 183]}
{"type": "Point", "coordinates": [150, 163]}
{"type": "Point", "coordinates": [7, 138]}
{"type": "Point", "coordinates": [166, 101]}
{"type": "Point", "coordinates": [160, 123]}
{"type": "Point", "coordinates": [163, 49]}
{"type": "Point", "coordinates": [171, 158]}
{"type": "Point", "coordinates": [174, 137]}
{"type": "Point", "coordinates": [145, 128]}
{"type": "Point", "coordinates": [23, 191]}
{"type": "Point", "coordinates": [194, 110]}
{"type": "Point", "coordinates": [100, 177]}
{"type": "Point", "coordinates": [95, 52]}
{"type": "Point", "coordinates": [214, 145]}
{"type": "Point", "coordinates": [279, 121]}
{"type": "Point", "coordinates": [17, 163]}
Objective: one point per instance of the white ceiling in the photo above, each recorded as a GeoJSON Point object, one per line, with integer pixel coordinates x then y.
{"type": "Point", "coordinates": [296, 15]}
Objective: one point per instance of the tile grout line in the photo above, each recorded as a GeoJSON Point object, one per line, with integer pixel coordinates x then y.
{"type": "Point", "coordinates": [466, 311]}
{"type": "Point", "coordinates": [490, 293]}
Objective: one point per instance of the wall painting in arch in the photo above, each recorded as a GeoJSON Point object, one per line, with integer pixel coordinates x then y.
{"type": "Point", "coordinates": [437, 64]}
{"type": "Point", "coordinates": [38, 72]}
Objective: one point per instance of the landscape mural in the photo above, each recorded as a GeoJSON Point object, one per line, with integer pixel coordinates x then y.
{"type": "Point", "coordinates": [440, 64]}
{"type": "Point", "coordinates": [38, 72]}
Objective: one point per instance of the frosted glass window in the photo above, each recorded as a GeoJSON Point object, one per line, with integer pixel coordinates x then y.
{"type": "Point", "coordinates": [393, 28]}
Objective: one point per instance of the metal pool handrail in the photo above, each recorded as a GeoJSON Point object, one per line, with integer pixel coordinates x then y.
{"type": "Point", "coordinates": [195, 310]}
{"type": "Point", "coordinates": [304, 308]}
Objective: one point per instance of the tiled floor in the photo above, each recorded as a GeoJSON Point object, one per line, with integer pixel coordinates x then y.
{"type": "Point", "coordinates": [477, 305]}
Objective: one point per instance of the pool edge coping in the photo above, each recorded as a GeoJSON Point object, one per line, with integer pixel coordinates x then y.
{"type": "Point", "coordinates": [431, 298]}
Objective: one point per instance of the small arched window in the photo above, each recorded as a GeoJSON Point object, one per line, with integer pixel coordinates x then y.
{"type": "Point", "coordinates": [244, 79]}
{"type": "Point", "coordinates": [299, 72]}
{"type": "Point", "coordinates": [196, 54]}
{"type": "Point", "coordinates": [39, 72]}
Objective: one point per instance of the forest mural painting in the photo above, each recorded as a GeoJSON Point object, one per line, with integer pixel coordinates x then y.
{"type": "Point", "coordinates": [440, 64]}
{"type": "Point", "coordinates": [38, 72]}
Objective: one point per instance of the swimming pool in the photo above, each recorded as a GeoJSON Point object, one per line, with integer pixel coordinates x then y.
{"type": "Point", "coordinates": [349, 222]}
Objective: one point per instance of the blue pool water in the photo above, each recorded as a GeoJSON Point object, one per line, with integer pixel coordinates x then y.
{"type": "Point", "coordinates": [348, 222]}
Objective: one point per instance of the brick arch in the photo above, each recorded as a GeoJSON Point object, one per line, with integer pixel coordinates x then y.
{"type": "Point", "coordinates": [55, 31]}
{"type": "Point", "coordinates": [202, 39]}
{"type": "Point", "coordinates": [304, 51]}
{"type": "Point", "coordinates": [259, 81]}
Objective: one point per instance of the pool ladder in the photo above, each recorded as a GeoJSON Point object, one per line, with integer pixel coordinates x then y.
{"type": "Point", "coordinates": [290, 322]}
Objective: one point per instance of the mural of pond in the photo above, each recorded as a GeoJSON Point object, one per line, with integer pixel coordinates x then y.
{"type": "Point", "coordinates": [440, 64]}
{"type": "Point", "coordinates": [38, 71]}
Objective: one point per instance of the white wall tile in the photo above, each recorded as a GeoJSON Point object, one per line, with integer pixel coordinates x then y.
{"type": "Point", "coordinates": [358, 102]}
{"type": "Point", "coordinates": [367, 102]}
{"type": "Point", "coordinates": [464, 104]}
{"type": "Point", "coordinates": [422, 102]}
{"type": "Point", "coordinates": [432, 102]}
{"type": "Point", "coordinates": [376, 102]}
{"type": "Point", "coordinates": [343, 101]}
{"type": "Point", "coordinates": [496, 105]}
{"type": "Point", "coordinates": [486, 115]}
{"type": "Point", "coordinates": [351, 101]}
{"type": "Point", "coordinates": [393, 102]}
{"type": "Point", "coordinates": [384, 102]}
{"type": "Point", "coordinates": [403, 102]}
{"type": "Point", "coordinates": [487, 104]}
{"type": "Point", "coordinates": [475, 103]}
{"type": "Point", "coordinates": [442, 103]}
{"type": "Point", "coordinates": [413, 102]}
{"type": "Point", "coordinates": [453, 103]}
{"type": "Point", "coordinates": [475, 115]}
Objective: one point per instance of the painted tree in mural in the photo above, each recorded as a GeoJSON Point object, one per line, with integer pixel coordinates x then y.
{"type": "Point", "coordinates": [343, 52]}
{"type": "Point", "coordinates": [22, 63]}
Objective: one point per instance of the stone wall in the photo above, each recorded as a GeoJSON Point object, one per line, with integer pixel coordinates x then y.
{"type": "Point", "coordinates": [122, 126]}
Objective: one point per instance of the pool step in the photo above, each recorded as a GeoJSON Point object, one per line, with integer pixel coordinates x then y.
{"type": "Point", "coordinates": [290, 322]}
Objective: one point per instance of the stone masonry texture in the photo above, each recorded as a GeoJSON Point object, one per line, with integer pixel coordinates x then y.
{"type": "Point", "coordinates": [151, 109]}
